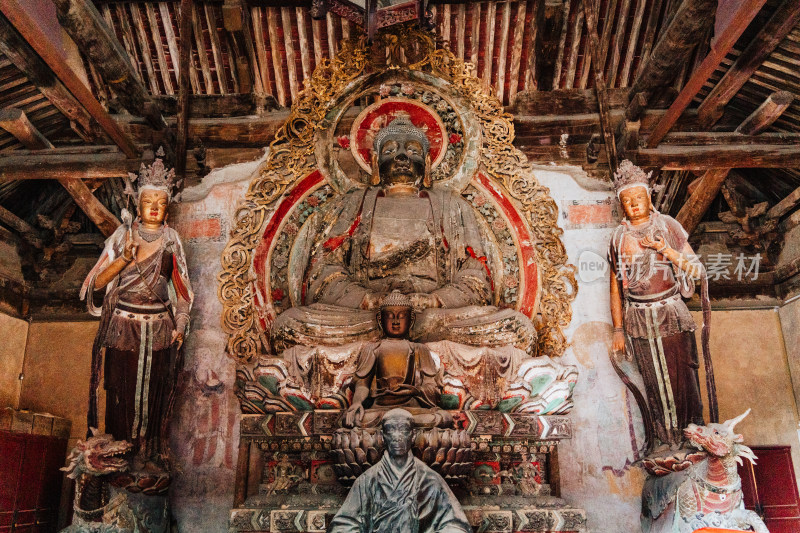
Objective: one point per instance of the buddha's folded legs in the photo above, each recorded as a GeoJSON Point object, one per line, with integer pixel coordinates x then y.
{"type": "Point", "coordinates": [323, 324]}
{"type": "Point", "coordinates": [331, 325]}
{"type": "Point", "coordinates": [476, 326]}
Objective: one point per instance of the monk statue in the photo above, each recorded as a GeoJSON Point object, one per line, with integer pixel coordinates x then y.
{"type": "Point", "coordinates": [400, 493]}
{"type": "Point", "coordinates": [652, 268]}
{"type": "Point", "coordinates": [399, 234]}
{"type": "Point", "coordinates": [144, 318]}
{"type": "Point", "coordinates": [395, 372]}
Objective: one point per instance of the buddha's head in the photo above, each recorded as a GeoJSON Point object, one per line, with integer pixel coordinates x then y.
{"type": "Point", "coordinates": [401, 155]}
{"type": "Point", "coordinates": [153, 205]}
{"type": "Point", "coordinates": [396, 315]}
{"type": "Point", "coordinates": [397, 428]}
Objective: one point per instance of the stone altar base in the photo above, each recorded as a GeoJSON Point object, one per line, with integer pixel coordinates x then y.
{"type": "Point", "coordinates": [287, 477]}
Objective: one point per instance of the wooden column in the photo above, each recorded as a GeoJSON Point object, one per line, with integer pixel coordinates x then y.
{"type": "Point", "coordinates": [695, 207]}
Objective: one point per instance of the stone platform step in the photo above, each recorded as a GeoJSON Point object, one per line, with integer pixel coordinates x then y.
{"type": "Point", "coordinates": [519, 520]}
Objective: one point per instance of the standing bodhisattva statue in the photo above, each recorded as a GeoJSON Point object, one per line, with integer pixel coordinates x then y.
{"type": "Point", "coordinates": [400, 234]}
{"type": "Point", "coordinates": [144, 317]}
{"type": "Point", "coordinates": [652, 268]}
{"type": "Point", "coordinates": [400, 493]}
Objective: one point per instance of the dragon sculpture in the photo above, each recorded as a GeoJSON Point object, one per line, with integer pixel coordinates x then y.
{"type": "Point", "coordinates": [92, 464]}
{"type": "Point", "coordinates": [112, 495]}
{"type": "Point", "coordinates": [707, 494]}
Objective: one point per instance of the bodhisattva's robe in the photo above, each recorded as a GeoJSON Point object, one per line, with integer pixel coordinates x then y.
{"type": "Point", "coordinates": [658, 324]}
{"type": "Point", "coordinates": [367, 242]}
{"type": "Point", "coordinates": [138, 316]}
{"type": "Point", "coordinates": [411, 499]}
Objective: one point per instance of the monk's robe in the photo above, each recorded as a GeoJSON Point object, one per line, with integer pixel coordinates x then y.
{"type": "Point", "coordinates": [411, 499]}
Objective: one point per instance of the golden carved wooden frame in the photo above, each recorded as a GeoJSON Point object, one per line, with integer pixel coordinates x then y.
{"type": "Point", "coordinates": [291, 157]}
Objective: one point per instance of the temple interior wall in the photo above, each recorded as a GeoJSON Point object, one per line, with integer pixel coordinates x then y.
{"type": "Point", "coordinates": [57, 370]}
{"type": "Point", "coordinates": [751, 369]}
{"type": "Point", "coordinates": [596, 473]}
{"type": "Point", "coordinates": [12, 355]}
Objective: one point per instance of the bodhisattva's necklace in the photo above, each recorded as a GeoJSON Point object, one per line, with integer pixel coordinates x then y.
{"type": "Point", "coordinates": [150, 235]}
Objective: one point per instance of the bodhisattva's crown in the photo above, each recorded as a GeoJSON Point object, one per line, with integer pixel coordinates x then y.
{"type": "Point", "coordinates": [153, 177]}
{"type": "Point", "coordinates": [629, 175]}
{"type": "Point", "coordinates": [401, 126]}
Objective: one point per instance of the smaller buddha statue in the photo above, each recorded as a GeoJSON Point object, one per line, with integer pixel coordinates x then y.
{"type": "Point", "coordinates": [395, 372]}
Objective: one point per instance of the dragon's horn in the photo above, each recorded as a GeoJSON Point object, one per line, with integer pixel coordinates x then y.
{"type": "Point", "coordinates": [730, 424]}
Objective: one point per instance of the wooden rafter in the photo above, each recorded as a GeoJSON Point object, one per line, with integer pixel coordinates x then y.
{"type": "Point", "coordinates": [689, 23]}
{"type": "Point", "coordinates": [94, 209]}
{"type": "Point", "coordinates": [698, 203]}
{"type": "Point", "coordinates": [184, 87]}
{"type": "Point", "coordinates": [779, 25]}
{"type": "Point", "coordinates": [600, 85]}
{"type": "Point", "coordinates": [32, 32]}
{"type": "Point", "coordinates": [87, 28]}
{"type": "Point", "coordinates": [15, 122]}
{"type": "Point", "coordinates": [25, 58]}
{"type": "Point", "coordinates": [745, 11]}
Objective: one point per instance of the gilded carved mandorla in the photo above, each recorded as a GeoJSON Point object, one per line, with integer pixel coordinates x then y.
{"type": "Point", "coordinates": [292, 156]}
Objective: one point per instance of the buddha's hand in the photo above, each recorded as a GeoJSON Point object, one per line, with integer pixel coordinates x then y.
{"type": "Point", "coordinates": [424, 301]}
{"type": "Point", "coordinates": [354, 415]}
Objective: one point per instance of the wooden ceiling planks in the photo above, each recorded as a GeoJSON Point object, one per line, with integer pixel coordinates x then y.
{"type": "Point", "coordinates": [289, 46]}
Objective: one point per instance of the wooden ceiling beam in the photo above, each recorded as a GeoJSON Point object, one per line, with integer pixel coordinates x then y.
{"type": "Point", "coordinates": [671, 51]}
{"type": "Point", "coordinates": [680, 157]}
{"type": "Point", "coordinates": [767, 113]}
{"type": "Point", "coordinates": [184, 87]}
{"type": "Point", "coordinates": [745, 11]}
{"type": "Point", "coordinates": [94, 209]}
{"type": "Point", "coordinates": [94, 38]}
{"type": "Point", "coordinates": [700, 200]}
{"type": "Point", "coordinates": [33, 33]}
{"type": "Point", "coordinates": [779, 25]}
{"type": "Point", "coordinates": [15, 122]}
{"type": "Point", "coordinates": [97, 163]}
{"type": "Point", "coordinates": [603, 102]}
{"type": "Point", "coordinates": [25, 59]}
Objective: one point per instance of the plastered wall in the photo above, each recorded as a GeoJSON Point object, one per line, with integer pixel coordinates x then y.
{"type": "Point", "coordinates": [12, 354]}
{"type": "Point", "coordinates": [57, 372]}
{"type": "Point", "coordinates": [751, 370]}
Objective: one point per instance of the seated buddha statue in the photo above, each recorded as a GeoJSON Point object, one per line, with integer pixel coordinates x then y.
{"type": "Point", "coordinates": [395, 372]}
{"type": "Point", "coordinates": [399, 234]}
